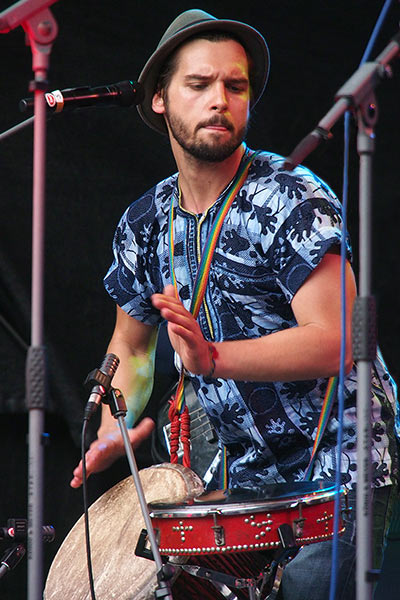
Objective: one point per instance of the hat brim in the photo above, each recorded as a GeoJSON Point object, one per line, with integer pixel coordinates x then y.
{"type": "Point", "coordinates": [251, 39]}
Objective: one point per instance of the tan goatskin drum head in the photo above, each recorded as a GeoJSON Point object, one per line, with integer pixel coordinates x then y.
{"type": "Point", "coordinates": [115, 523]}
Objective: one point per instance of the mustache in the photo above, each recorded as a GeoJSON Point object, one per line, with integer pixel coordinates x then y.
{"type": "Point", "coordinates": [217, 120]}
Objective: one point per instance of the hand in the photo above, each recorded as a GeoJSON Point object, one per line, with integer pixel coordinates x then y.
{"type": "Point", "coordinates": [184, 332]}
{"type": "Point", "coordinates": [108, 447]}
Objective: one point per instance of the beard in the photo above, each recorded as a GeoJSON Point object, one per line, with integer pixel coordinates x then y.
{"type": "Point", "coordinates": [207, 151]}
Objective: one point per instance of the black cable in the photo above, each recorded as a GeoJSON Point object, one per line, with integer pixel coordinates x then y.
{"type": "Point", "coordinates": [86, 510]}
{"type": "Point", "coordinates": [10, 329]}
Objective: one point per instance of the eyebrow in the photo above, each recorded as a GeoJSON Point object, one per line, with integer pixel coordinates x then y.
{"type": "Point", "coordinates": [205, 78]}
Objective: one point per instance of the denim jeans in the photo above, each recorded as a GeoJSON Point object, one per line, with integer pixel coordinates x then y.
{"type": "Point", "coordinates": [308, 575]}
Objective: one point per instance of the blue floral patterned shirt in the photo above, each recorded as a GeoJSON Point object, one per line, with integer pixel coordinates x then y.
{"type": "Point", "coordinates": [276, 232]}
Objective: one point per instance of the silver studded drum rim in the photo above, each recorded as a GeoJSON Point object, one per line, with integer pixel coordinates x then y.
{"type": "Point", "coordinates": [239, 508]}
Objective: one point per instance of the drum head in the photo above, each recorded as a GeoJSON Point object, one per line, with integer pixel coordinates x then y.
{"type": "Point", "coordinates": [270, 492]}
{"type": "Point", "coordinates": [115, 522]}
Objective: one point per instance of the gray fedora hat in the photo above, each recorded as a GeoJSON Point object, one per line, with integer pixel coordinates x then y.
{"type": "Point", "coordinates": [186, 25]}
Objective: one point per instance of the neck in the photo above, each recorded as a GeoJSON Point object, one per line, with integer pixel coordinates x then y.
{"type": "Point", "coordinates": [202, 182]}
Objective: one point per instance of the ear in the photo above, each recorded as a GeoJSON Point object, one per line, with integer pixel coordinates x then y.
{"type": "Point", "coordinates": [157, 104]}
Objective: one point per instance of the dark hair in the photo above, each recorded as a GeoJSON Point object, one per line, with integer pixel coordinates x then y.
{"type": "Point", "coordinates": [169, 66]}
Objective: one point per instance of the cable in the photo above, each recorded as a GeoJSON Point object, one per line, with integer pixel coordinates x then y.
{"type": "Point", "coordinates": [86, 510]}
{"type": "Point", "coordinates": [375, 31]}
{"type": "Point", "coordinates": [335, 540]}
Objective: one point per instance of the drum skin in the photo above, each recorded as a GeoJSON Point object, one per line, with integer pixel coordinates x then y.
{"type": "Point", "coordinates": [115, 523]}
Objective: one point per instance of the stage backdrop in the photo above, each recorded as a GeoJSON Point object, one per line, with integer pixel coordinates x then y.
{"type": "Point", "coordinates": [101, 159]}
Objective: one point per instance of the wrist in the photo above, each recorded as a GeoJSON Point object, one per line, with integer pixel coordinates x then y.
{"type": "Point", "coordinates": [213, 356]}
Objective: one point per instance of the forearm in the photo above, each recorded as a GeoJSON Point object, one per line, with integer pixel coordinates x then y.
{"type": "Point", "coordinates": [133, 342]}
{"type": "Point", "coordinates": [309, 350]}
{"type": "Point", "coordinates": [293, 354]}
{"type": "Point", "coordinates": [134, 377]}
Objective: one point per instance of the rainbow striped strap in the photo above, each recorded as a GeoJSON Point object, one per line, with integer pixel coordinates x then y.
{"type": "Point", "coordinates": [208, 252]}
{"type": "Point", "coordinates": [201, 280]}
{"type": "Point", "coordinates": [330, 395]}
{"type": "Point", "coordinates": [223, 470]}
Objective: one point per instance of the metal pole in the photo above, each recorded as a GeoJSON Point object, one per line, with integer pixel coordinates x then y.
{"type": "Point", "coordinates": [364, 336]}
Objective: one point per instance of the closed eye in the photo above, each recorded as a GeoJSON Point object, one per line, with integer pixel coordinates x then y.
{"type": "Point", "coordinates": [199, 82]}
{"type": "Point", "coordinates": [237, 88]}
{"type": "Point", "coordinates": [198, 86]}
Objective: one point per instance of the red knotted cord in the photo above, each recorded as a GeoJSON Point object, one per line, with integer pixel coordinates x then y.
{"type": "Point", "coordinates": [180, 428]}
{"type": "Point", "coordinates": [185, 436]}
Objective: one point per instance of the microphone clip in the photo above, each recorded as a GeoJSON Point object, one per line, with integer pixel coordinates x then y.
{"type": "Point", "coordinates": [116, 401]}
{"type": "Point", "coordinates": [97, 377]}
{"type": "Point", "coordinates": [17, 530]}
{"type": "Point", "coordinates": [99, 383]}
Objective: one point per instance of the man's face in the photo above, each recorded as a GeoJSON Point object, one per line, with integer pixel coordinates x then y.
{"type": "Point", "coordinates": [206, 104]}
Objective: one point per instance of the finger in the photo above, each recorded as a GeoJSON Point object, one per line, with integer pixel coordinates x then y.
{"type": "Point", "coordinates": [161, 300]}
{"type": "Point", "coordinates": [142, 431]}
{"type": "Point", "coordinates": [77, 479]}
{"type": "Point", "coordinates": [169, 290]}
{"type": "Point", "coordinates": [76, 482]}
{"type": "Point", "coordinates": [188, 336]}
{"type": "Point", "coordinates": [91, 457]}
{"type": "Point", "coordinates": [179, 318]}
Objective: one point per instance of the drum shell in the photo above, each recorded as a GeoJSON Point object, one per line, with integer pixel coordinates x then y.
{"type": "Point", "coordinates": [199, 530]}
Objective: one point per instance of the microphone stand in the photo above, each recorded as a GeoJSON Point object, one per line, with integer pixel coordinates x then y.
{"type": "Point", "coordinates": [358, 93]}
{"type": "Point", "coordinates": [41, 30]}
{"type": "Point", "coordinates": [118, 409]}
{"type": "Point", "coordinates": [16, 128]}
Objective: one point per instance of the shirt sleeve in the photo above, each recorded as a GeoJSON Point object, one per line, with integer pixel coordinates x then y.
{"type": "Point", "coordinates": [130, 280]}
{"type": "Point", "coordinates": [309, 225]}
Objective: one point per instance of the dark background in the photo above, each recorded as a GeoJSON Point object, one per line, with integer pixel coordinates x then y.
{"type": "Point", "coordinates": [99, 160]}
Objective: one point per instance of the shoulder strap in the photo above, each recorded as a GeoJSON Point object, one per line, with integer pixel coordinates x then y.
{"type": "Point", "coordinates": [322, 423]}
{"type": "Point", "coordinates": [178, 405]}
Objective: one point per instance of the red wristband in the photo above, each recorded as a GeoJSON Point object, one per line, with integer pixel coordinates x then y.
{"type": "Point", "coordinates": [213, 356]}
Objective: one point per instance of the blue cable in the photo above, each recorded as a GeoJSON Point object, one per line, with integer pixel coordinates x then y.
{"type": "Point", "coordinates": [375, 31]}
{"type": "Point", "coordinates": [334, 569]}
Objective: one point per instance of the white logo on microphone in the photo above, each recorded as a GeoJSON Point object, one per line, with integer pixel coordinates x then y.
{"type": "Point", "coordinates": [51, 101]}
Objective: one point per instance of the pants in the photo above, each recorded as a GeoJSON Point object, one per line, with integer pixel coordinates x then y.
{"type": "Point", "coordinates": [308, 575]}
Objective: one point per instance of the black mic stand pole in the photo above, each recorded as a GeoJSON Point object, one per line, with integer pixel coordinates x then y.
{"type": "Point", "coordinates": [41, 30]}
{"type": "Point", "coordinates": [357, 93]}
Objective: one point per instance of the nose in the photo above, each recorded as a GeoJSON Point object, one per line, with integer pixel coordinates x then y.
{"type": "Point", "coordinates": [219, 99]}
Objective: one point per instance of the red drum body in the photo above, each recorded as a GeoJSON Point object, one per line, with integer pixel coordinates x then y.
{"type": "Point", "coordinates": [201, 527]}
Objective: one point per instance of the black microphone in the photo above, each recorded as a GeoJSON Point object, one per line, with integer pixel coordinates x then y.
{"type": "Point", "coordinates": [17, 530]}
{"type": "Point", "coordinates": [11, 558]}
{"type": "Point", "coordinates": [100, 381]}
{"type": "Point", "coordinates": [123, 93]}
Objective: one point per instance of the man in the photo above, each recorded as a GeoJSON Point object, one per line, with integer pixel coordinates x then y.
{"type": "Point", "coordinates": [267, 335]}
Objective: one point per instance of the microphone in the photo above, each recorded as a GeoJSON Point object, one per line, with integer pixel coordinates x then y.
{"type": "Point", "coordinates": [11, 558]}
{"type": "Point", "coordinates": [123, 93]}
{"type": "Point", "coordinates": [17, 530]}
{"type": "Point", "coordinates": [100, 380]}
